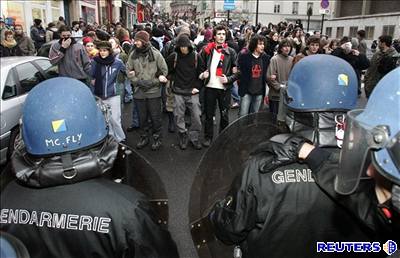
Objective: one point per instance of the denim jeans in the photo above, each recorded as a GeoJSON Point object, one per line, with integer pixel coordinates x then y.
{"type": "Point", "coordinates": [235, 92]}
{"type": "Point", "coordinates": [135, 114]}
{"type": "Point", "coordinates": [127, 91]}
{"type": "Point", "coordinates": [250, 104]}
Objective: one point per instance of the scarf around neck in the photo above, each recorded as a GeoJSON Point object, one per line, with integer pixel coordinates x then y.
{"type": "Point", "coordinates": [221, 50]}
{"type": "Point", "coordinates": [98, 83]}
{"type": "Point", "coordinates": [144, 51]}
{"type": "Point", "coordinates": [9, 44]}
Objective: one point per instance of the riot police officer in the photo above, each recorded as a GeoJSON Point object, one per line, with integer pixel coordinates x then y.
{"type": "Point", "coordinates": [367, 175]}
{"type": "Point", "coordinates": [60, 205]}
{"type": "Point", "coordinates": [274, 208]}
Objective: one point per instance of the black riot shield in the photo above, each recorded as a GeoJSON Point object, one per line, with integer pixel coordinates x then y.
{"type": "Point", "coordinates": [222, 162]}
{"type": "Point", "coordinates": [133, 169]}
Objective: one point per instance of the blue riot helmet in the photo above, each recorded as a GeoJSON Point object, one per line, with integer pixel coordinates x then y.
{"type": "Point", "coordinates": [322, 83]}
{"type": "Point", "coordinates": [320, 90]}
{"type": "Point", "coordinates": [373, 135]}
{"type": "Point", "coordinates": [60, 115]}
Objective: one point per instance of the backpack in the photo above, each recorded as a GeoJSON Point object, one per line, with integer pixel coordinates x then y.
{"type": "Point", "coordinates": [195, 59]}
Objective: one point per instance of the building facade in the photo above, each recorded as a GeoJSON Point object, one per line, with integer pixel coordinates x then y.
{"type": "Point", "coordinates": [183, 9]}
{"type": "Point", "coordinates": [375, 17]}
{"type": "Point", "coordinates": [24, 12]}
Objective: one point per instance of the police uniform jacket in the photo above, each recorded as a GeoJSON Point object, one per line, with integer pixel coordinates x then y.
{"type": "Point", "coordinates": [91, 218]}
{"type": "Point", "coordinates": [282, 213]}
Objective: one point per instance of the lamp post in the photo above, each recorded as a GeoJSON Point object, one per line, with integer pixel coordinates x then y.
{"type": "Point", "coordinates": [257, 12]}
{"type": "Point", "coordinates": [309, 13]}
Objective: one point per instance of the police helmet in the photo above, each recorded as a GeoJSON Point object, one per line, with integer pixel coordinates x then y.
{"type": "Point", "coordinates": [322, 83]}
{"type": "Point", "coordinates": [12, 247]}
{"type": "Point", "coordinates": [61, 115]}
{"type": "Point", "coordinates": [373, 135]}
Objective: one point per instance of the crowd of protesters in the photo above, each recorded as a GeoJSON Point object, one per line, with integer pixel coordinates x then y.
{"type": "Point", "coordinates": [186, 71]}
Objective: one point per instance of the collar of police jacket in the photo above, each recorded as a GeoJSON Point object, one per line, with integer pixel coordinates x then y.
{"type": "Point", "coordinates": [64, 168]}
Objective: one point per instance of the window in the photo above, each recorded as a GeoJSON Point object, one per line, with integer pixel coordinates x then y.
{"type": "Point", "coordinates": [295, 8]}
{"type": "Point", "coordinates": [353, 31]}
{"type": "Point", "coordinates": [28, 76]}
{"type": "Point", "coordinates": [328, 32]}
{"type": "Point", "coordinates": [388, 30]}
{"type": "Point", "coordinates": [50, 71]}
{"type": "Point", "coordinates": [10, 87]}
{"type": "Point", "coordinates": [369, 32]}
{"type": "Point", "coordinates": [277, 8]}
{"type": "Point", "coordinates": [339, 32]}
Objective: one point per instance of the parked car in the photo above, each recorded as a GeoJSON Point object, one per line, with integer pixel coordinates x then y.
{"type": "Point", "coordinates": [18, 76]}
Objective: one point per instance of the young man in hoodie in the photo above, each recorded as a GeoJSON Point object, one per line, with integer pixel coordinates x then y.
{"type": "Point", "coordinates": [71, 58]}
{"type": "Point", "coordinates": [183, 67]}
{"type": "Point", "coordinates": [147, 70]}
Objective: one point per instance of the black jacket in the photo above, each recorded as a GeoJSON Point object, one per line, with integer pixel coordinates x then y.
{"type": "Point", "coordinates": [90, 218]}
{"type": "Point", "coordinates": [244, 66]}
{"type": "Point", "coordinates": [282, 213]}
{"type": "Point", "coordinates": [183, 71]}
{"type": "Point", "coordinates": [228, 65]}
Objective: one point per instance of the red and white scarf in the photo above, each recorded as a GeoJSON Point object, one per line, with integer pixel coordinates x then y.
{"type": "Point", "coordinates": [221, 50]}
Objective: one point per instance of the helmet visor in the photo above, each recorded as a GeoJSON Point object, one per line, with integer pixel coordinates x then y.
{"type": "Point", "coordinates": [359, 140]}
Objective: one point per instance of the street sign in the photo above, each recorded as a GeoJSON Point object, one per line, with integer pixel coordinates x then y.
{"type": "Point", "coordinates": [324, 4]}
{"type": "Point", "coordinates": [229, 5]}
{"type": "Point", "coordinates": [324, 11]}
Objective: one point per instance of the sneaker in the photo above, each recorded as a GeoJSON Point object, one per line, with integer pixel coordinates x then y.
{"type": "Point", "coordinates": [235, 105]}
{"type": "Point", "coordinates": [196, 145]}
{"type": "Point", "coordinates": [156, 143]}
{"type": "Point", "coordinates": [207, 142]}
{"type": "Point", "coordinates": [144, 140]}
{"type": "Point", "coordinates": [183, 140]}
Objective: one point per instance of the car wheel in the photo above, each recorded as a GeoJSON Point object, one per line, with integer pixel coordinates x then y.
{"type": "Point", "coordinates": [11, 144]}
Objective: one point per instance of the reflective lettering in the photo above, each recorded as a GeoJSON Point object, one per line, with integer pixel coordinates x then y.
{"type": "Point", "coordinates": [23, 217]}
{"type": "Point", "coordinates": [59, 220]}
{"type": "Point", "coordinates": [301, 175]}
{"type": "Point", "coordinates": [34, 218]}
{"type": "Point", "coordinates": [71, 221]}
{"type": "Point", "coordinates": [3, 216]}
{"type": "Point", "coordinates": [292, 176]}
{"type": "Point", "coordinates": [13, 216]}
{"type": "Point", "coordinates": [289, 176]}
{"type": "Point", "coordinates": [277, 177]}
{"type": "Point", "coordinates": [103, 225]}
{"type": "Point", "coordinates": [56, 220]}
{"type": "Point", "coordinates": [86, 221]}
{"type": "Point", "coordinates": [45, 217]}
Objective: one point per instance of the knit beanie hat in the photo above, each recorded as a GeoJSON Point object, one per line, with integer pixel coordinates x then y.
{"type": "Point", "coordinates": [142, 36]}
{"type": "Point", "coordinates": [86, 40]}
{"type": "Point", "coordinates": [104, 44]}
{"type": "Point", "coordinates": [183, 41]}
